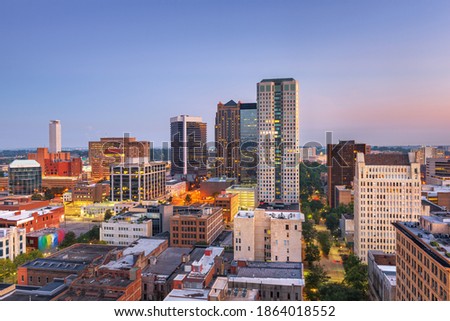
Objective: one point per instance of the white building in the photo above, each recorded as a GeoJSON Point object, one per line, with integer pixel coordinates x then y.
{"type": "Point", "coordinates": [12, 242]}
{"type": "Point", "coordinates": [175, 188]}
{"type": "Point", "coordinates": [54, 136]}
{"type": "Point", "coordinates": [262, 235]}
{"type": "Point", "coordinates": [278, 140]}
{"type": "Point", "coordinates": [387, 190]}
{"type": "Point", "coordinates": [67, 197]}
{"type": "Point", "coordinates": [125, 229]}
{"type": "Point", "coordinates": [97, 209]}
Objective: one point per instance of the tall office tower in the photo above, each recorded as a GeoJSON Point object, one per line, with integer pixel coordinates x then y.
{"type": "Point", "coordinates": [138, 182]}
{"type": "Point", "coordinates": [111, 151]}
{"type": "Point", "coordinates": [387, 190]}
{"type": "Point", "coordinates": [341, 159]}
{"type": "Point", "coordinates": [227, 132]}
{"type": "Point", "coordinates": [278, 141]}
{"type": "Point", "coordinates": [54, 136]}
{"type": "Point", "coordinates": [426, 152]}
{"type": "Point", "coordinates": [249, 142]}
{"type": "Point", "coordinates": [188, 146]}
{"type": "Point", "coordinates": [25, 177]}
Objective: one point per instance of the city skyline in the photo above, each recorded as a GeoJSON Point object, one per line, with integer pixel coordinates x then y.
{"type": "Point", "coordinates": [366, 71]}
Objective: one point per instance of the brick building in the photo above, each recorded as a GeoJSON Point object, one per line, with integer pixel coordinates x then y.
{"type": "Point", "coordinates": [33, 220]}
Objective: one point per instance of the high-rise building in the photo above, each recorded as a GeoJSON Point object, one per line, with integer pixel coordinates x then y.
{"type": "Point", "coordinates": [438, 171]}
{"type": "Point", "coordinates": [387, 190]}
{"type": "Point", "coordinates": [227, 134]}
{"type": "Point", "coordinates": [138, 182]}
{"type": "Point", "coordinates": [54, 136]}
{"type": "Point", "coordinates": [249, 141]}
{"type": "Point", "coordinates": [423, 259]}
{"type": "Point", "coordinates": [111, 151]}
{"type": "Point", "coordinates": [278, 141]}
{"type": "Point", "coordinates": [261, 235]}
{"type": "Point", "coordinates": [25, 177]}
{"type": "Point", "coordinates": [188, 146]}
{"type": "Point", "coordinates": [341, 160]}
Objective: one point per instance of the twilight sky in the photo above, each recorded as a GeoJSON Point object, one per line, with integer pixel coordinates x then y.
{"type": "Point", "coordinates": [374, 71]}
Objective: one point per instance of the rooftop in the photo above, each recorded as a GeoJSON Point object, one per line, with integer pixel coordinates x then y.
{"type": "Point", "coordinates": [282, 215]}
{"type": "Point", "coordinates": [387, 159]}
{"type": "Point", "coordinates": [84, 252]}
{"type": "Point", "coordinates": [435, 245]}
{"type": "Point", "coordinates": [206, 262]}
{"type": "Point", "coordinates": [280, 206]}
{"type": "Point", "coordinates": [242, 188]}
{"type": "Point", "coordinates": [56, 265]}
{"type": "Point", "coordinates": [167, 262]}
{"type": "Point", "coordinates": [44, 231]}
{"type": "Point", "coordinates": [26, 214]}
{"type": "Point", "coordinates": [277, 80]}
{"type": "Point", "coordinates": [24, 163]}
{"type": "Point", "coordinates": [188, 295]}
{"type": "Point", "coordinates": [273, 270]}
{"type": "Point", "coordinates": [144, 245]}
{"type": "Point", "coordinates": [248, 106]}
{"type": "Point", "coordinates": [221, 180]}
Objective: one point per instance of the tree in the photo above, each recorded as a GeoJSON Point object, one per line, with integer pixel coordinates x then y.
{"type": "Point", "coordinates": [69, 240]}
{"type": "Point", "coordinates": [48, 194]}
{"type": "Point", "coordinates": [170, 199]}
{"type": "Point", "coordinates": [188, 199]}
{"type": "Point", "coordinates": [316, 205]}
{"type": "Point", "coordinates": [324, 239]}
{"type": "Point", "coordinates": [108, 215]}
{"type": "Point", "coordinates": [23, 258]}
{"type": "Point", "coordinates": [350, 261]}
{"type": "Point", "coordinates": [332, 222]}
{"type": "Point", "coordinates": [308, 231]}
{"type": "Point", "coordinates": [315, 278]}
{"type": "Point", "coordinates": [339, 292]}
{"type": "Point", "coordinates": [357, 277]}
{"type": "Point", "coordinates": [316, 217]}
{"type": "Point", "coordinates": [312, 253]}
{"type": "Point", "coordinates": [37, 197]}
{"type": "Point", "coordinates": [7, 269]}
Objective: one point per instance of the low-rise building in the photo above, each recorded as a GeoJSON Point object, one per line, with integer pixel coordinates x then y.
{"type": "Point", "coordinates": [33, 220]}
{"type": "Point", "coordinates": [12, 242]}
{"type": "Point", "coordinates": [382, 276]}
{"type": "Point", "coordinates": [175, 188]}
{"type": "Point", "coordinates": [45, 239]}
{"type": "Point", "coordinates": [347, 226]}
{"type": "Point", "coordinates": [195, 225]}
{"type": "Point", "coordinates": [229, 203]}
{"type": "Point", "coordinates": [215, 185]}
{"type": "Point", "coordinates": [343, 195]}
{"type": "Point", "coordinates": [246, 196]}
{"type": "Point", "coordinates": [220, 291]}
{"type": "Point", "coordinates": [268, 235]}
{"type": "Point", "coordinates": [96, 192]}
{"type": "Point", "coordinates": [97, 210]}
{"type": "Point", "coordinates": [274, 281]}
{"type": "Point", "coordinates": [125, 228]}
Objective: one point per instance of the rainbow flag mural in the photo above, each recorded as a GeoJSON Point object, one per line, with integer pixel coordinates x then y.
{"type": "Point", "coordinates": [50, 240]}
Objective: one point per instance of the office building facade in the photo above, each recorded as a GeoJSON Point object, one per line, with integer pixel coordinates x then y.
{"type": "Point", "coordinates": [249, 142]}
{"type": "Point", "coordinates": [54, 136]}
{"type": "Point", "coordinates": [188, 146]}
{"type": "Point", "coordinates": [25, 177]}
{"type": "Point", "coordinates": [278, 140]}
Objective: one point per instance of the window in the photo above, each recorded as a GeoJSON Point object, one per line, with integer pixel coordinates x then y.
{"type": "Point", "coordinates": [287, 227]}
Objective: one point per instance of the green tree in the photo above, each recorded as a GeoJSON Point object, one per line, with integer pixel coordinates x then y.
{"type": "Point", "coordinates": [108, 215]}
{"type": "Point", "coordinates": [315, 279]}
{"type": "Point", "coordinates": [23, 258]}
{"type": "Point", "coordinates": [188, 199]}
{"type": "Point", "coordinates": [69, 240]}
{"type": "Point", "coordinates": [339, 292]}
{"type": "Point", "coordinates": [332, 222]}
{"type": "Point", "coordinates": [37, 197]}
{"type": "Point", "coordinates": [316, 205]}
{"type": "Point", "coordinates": [308, 231]}
{"type": "Point", "coordinates": [7, 270]}
{"type": "Point", "coordinates": [48, 194]}
{"type": "Point", "coordinates": [312, 253]}
{"type": "Point", "coordinates": [324, 239]}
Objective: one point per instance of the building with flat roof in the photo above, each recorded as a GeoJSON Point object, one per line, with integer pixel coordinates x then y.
{"type": "Point", "coordinates": [175, 188]}
{"type": "Point", "coordinates": [249, 142]}
{"type": "Point", "coordinates": [19, 203]}
{"type": "Point", "coordinates": [138, 182]}
{"type": "Point", "coordinates": [274, 281]}
{"type": "Point", "coordinates": [54, 131]}
{"type": "Point", "coordinates": [438, 171]}
{"type": "Point", "coordinates": [437, 194]}
{"type": "Point", "coordinates": [382, 276]}
{"type": "Point", "coordinates": [387, 190]}
{"type": "Point", "coordinates": [57, 163]}
{"type": "Point", "coordinates": [12, 242]}
{"type": "Point", "coordinates": [229, 204]}
{"type": "Point", "coordinates": [423, 259]}
{"type": "Point", "coordinates": [125, 228]}
{"type": "Point", "coordinates": [247, 196]}
{"type": "Point", "coordinates": [25, 177]}
{"type": "Point", "coordinates": [158, 276]}
{"type": "Point", "coordinates": [33, 220]}
{"type": "Point", "coordinates": [195, 225]}
{"type": "Point", "coordinates": [95, 192]}
{"type": "Point", "coordinates": [268, 235]}
{"type": "Point", "coordinates": [45, 239]}
{"type": "Point", "coordinates": [215, 185]}
{"type": "Point", "coordinates": [347, 226]}
{"type": "Point", "coordinates": [220, 291]}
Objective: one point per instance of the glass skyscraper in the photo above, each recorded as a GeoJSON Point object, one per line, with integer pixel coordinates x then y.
{"type": "Point", "coordinates": [25, 177]}
{"type": "Point", "coordinates": [248, 141]}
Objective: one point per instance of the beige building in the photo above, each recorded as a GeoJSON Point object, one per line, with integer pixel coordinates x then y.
{"type": "Point", "coordinates": [387, 190]}
{"type": "Point", "coordinates": [126, 228]}
{"type": "Point", "coordinates": [12, 242]}
{"type": "Point", "coordinates": [263, 235]}
{"type": "Point", "coordinates": [423, 259]}
{"type": "Point", "coordinates": [229, 204]}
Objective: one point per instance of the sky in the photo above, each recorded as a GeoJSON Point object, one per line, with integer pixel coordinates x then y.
{"type": "Point", "coordinates": [374, 71]}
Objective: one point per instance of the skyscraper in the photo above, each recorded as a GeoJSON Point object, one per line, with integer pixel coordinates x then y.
{"type": "Point", "coordinates": [341, 159]}
{"type": "Point", "coordinates": [227, 134]}
{"type": "Point", "coordinates": [278, 140]}
{"type": "Point", "coordinates": [188, 146]}
{"type": "Point", "coordinates": [249, 141]}
{"type": "Point", "coordinates": [112, 151]}
{"type": "Point", "coordinates": [54, 136]}
{"type": "Point", "coordinates": [387, 190]}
